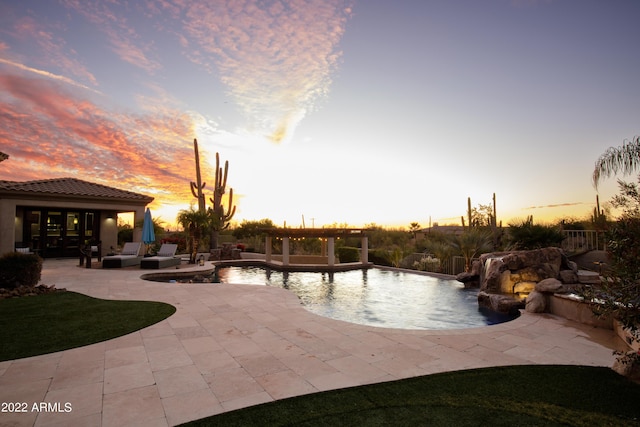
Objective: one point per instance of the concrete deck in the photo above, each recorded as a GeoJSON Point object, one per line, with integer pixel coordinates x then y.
{"type": "Point", "coordinates": [232, 346]}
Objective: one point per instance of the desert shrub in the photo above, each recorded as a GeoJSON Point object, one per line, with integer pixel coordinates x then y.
{"type": "Point", "coordinates": [18, 269]}
{"type": "Point", "coordinates": [427, 263]}
{"type": "Point", "coordinates": [348, 254]}
{"type": "Point", "coordinates": [527, 235]}
{"type": "Point", "coordinates": [178, 239]}
{"type": "Point", "coordinates": [125, 234]}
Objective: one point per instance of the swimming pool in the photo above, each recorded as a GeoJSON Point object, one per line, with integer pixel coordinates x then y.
{"type": "Point", "coordinates": [376, 297]}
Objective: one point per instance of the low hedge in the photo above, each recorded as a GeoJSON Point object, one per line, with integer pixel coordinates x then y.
{"type": "Point", "coordinates": [379, 257]}
{"type": "Point", "coordinates": [348, 254]}
{"type": "Point", "coordinates": [18, 269]}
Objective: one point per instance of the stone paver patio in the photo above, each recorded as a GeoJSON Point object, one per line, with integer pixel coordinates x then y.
{"type": "Point", "coordinates": [232, 346]}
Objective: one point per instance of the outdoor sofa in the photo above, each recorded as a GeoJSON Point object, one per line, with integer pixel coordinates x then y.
{"type": "Point", "coordinates": [128, 257]}
{"type": "Point", "coordinates": [166, 257]}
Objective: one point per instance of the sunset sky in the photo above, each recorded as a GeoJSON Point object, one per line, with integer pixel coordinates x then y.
{"type": "Point", "coordinates": [344, 111]}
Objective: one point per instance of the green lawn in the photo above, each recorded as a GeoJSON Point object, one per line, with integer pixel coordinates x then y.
{"type": "Point", "coordinates": [46, 323]}
{"type": "Point", "coordinates": [502, 396]}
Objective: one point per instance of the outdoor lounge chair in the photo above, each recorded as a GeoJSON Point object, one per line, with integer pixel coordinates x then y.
{"type": "Point", "coordinates": [128, 257]}
{"type": "Point", "coordinates": [23, 248]}
{"type": "Point", "coordinates": [165, 257]}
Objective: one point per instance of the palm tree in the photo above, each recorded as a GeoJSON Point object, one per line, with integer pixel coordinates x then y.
{"type": "Point", "coordinates": [470, 244]}
{"type": "Point", "coordinates": [195, 223]}
{"type": "Point", "coordinates": [624, 159]}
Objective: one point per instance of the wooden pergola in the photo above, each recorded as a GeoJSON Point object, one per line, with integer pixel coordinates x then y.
{"type": "Point", "coordinates": [328, 236]}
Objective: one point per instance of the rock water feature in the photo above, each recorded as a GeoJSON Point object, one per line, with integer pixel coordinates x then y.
{"type": "Point", "coordinates": [510, 281]}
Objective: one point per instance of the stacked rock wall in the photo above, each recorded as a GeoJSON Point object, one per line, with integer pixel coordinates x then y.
{"type": "Point", "coordinates": [510, 281]}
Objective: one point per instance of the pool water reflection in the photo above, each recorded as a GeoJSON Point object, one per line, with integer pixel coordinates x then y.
{"type": "Point", "coordinates": [376, 297]}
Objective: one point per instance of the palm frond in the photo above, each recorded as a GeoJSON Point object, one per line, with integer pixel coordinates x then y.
{"type": "Point", "coordinates": [624, 159]}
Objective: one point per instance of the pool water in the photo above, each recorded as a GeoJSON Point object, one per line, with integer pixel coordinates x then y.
{"type": "Point", "coordinates": [376, 297]}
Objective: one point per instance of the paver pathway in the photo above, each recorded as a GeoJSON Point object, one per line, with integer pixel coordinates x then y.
{"type": "Point", "coordinates": [232, 346]}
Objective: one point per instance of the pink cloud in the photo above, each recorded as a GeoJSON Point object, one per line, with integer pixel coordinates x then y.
{"type": "Point", "coordinates": [49, 133]}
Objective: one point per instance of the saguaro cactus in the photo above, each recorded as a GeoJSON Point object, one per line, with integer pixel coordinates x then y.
{"type": "Point", "coordinates": [197, 188]}
{"type": "Point", "coordinates": [599, 217]}
{"type": "Point", "coordinates": [220, 217]}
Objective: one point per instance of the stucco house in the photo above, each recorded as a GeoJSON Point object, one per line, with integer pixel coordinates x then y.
{"type": "Point", "coordinates": [54, 217]}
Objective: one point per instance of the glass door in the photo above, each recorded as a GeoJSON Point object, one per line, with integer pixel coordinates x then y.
{"type": "Point", "coordinates": [71, 237]}
{"type": "Point", "coordinates": [60, 233]}
{"type": "Point", "coordinates": [54, 234]}
{"type": "Point", "coordinates": [89, 225]}
{"type": "Point", "coordinates": [32, 229]}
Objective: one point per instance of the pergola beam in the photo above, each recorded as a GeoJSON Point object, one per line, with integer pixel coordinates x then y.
{"type": "Point", "coordinates": [330, 234]}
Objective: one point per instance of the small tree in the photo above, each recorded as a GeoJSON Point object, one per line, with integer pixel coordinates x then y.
{"type": "Point", "coordinates": [619, 293]}
{"type": "Point", "coordinates": [440, 246]}
{"type": "Point", "coordinates": [196, 224]}
{"type": "Point", "coordinates": [255, 231]}
{"type": "Point", "coordinates": [470, 244]}
{"type": "Point", "coordinates": [628, 200]}
{"type": "Point", "coordinates": [414, 227]}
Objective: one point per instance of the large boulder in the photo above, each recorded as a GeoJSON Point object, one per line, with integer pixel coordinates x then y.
{"type": "Point", "coordinates": [536, 302]}
{"type": "Point", "coordinates": [550, 285]}
{"type": "Point", "coordinates": [469, 280]}
{"type": "Point", "coordinates": [524, 287]}
{"type": "Point", "coordinates": [504, 270]}
{"type": "Point", "coordinates": [500, 303]}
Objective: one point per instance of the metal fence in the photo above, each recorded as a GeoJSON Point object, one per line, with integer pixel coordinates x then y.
{"type": "Point", "coordinates": [577, 241]}
{"type": "Point", "coordinates": [452, 266]}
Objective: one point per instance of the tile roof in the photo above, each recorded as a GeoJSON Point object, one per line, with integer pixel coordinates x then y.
{"type": "Point", "coordinates": [70, 187]}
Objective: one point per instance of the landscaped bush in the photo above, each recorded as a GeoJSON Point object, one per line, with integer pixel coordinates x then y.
{"type": "Point", "coordinates": [18, 269]}
{"type": "Point", "coordinates": [348, 254]}
{"type": "Point", "coordinates": [125, 234]}
{"type": "Point", "coordinates": [427, 263]}
{"type": "Point", "coordinates": [527, 235]}
{"type": "Point", "coordinates": [177, 239]}
{"type": "Point", "coordinates": [380, 257]}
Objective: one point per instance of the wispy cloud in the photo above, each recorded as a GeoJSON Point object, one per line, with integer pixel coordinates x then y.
{"type": "Point", "coordinates": [48, 132]}
{"type": "Point", "coordinates": [52, 49]}
{"type": "Point", "coordinates": [111, 19]}
{"type": "Point", "coordinates": [276, 58]}
{"type": "Point", "coordinates": [559, 205]}
{"type": "Point", "coordinates": [49, 75]}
